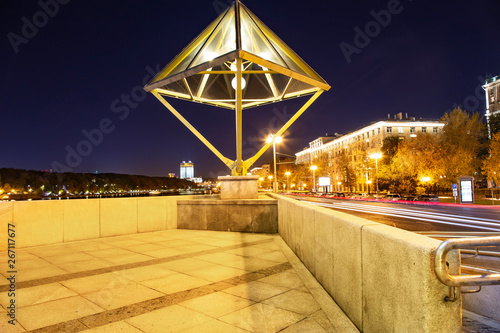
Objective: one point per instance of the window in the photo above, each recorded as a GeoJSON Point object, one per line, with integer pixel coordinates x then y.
{"type": "Point", "coordinates": [379, 131]}
{"type": "Point", "coordinates": [424, 129]}
{"type": "Point", "coordinates": [400, 130]}
{"type": "Point", "coordinates": [373, 132]}
{"type": "Point", "coordinates": [389, 129]}
{"type": "Point", "coordinates": [412, 130]}
{"type": "Point", "coordinates": [434, 130]}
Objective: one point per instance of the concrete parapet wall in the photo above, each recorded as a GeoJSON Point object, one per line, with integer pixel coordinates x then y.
{"type": "Point", "coordinates": [259, 215]}
{"type": "Point", "coordinates": [382, 277]}
{"type": "Point", "coordinates": [56, 221]}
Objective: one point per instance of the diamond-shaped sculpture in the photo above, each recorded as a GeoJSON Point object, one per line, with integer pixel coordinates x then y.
{"type": "Point", "coordinates": [237, 62]}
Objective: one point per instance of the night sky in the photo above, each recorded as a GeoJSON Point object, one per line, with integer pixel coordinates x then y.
{"type": "Point", "coordinates": [65, 77]}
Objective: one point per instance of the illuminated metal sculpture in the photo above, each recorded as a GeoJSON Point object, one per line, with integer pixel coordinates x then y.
{"type": "Point", "coordinates": [237, 62]}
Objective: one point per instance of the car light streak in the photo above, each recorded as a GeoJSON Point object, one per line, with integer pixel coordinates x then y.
{"type": "Point", "coordinates": [462, 221]}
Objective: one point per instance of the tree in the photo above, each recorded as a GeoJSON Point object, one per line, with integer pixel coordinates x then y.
{"type": "Point", "coordinates": [494, 124]}
{"type": "Point", "coordinates": [461, 142]}
{"type": "Point", "coordinates": [416, 164]}
{"type": "Point", "coordinates": [491, 165]}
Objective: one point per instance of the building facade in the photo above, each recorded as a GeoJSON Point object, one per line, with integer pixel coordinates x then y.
{"type": "Point", "coordinates": [492, 90]}
{"type": "Point", "coordinates": [187, 170]}
{"type": "Point", "coordinates": [357, 149]}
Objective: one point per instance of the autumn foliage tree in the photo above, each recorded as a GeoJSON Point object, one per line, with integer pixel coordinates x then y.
{"type": "Point", "coordinates": [491, 164]}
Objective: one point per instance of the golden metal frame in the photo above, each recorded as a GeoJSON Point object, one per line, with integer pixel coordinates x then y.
{"type": "Point", "coordinates": [236, 56]}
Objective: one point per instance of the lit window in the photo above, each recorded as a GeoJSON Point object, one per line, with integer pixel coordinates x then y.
{"type": "Point", "coordinates": [412, 130]}
{"type": "Point", "coordinates": [424, 129]}
{"type": "Point", "coordinates": [400, 130]}
{"type": "Point", "coordinates": [389, 129]}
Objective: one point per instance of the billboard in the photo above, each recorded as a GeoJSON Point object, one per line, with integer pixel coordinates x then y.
{"type": "Point", "coordinates": [324, 181]}
{"type": "Point", "coordinates": [466, 189]}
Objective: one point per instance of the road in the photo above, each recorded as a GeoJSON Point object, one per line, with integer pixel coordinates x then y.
{"type": "Point", "coordinates": [418, 218]}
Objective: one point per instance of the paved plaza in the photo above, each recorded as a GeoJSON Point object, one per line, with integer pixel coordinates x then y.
{"type": "Point", "coordinates": [173, 281]}
{"type": "Point", "coordinates": [169, 281]}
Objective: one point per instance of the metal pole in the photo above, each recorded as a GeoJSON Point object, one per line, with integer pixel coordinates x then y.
{"type": "Point", "coordinates": [238, 170]}
{"type": "Point", "coordinates": [376, 172]}
{"type": "Point", "coordinates": [314, 182]}
{"type": "Point", "coordinates": [274, 156]}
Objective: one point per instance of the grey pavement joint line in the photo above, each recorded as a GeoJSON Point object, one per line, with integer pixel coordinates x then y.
{"type": "Point", "coordinates": [69, 276]}
{"type": "Point", "coordinates": [133, 310]}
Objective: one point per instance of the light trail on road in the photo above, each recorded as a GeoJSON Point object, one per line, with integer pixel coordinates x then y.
{"type": "Point", "coordinates": [427, 216]}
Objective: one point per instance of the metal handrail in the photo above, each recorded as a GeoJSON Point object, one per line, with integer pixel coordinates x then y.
{"type": "Point", "coordinates": [440, 266]}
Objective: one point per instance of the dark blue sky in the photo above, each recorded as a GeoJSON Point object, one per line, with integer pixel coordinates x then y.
{"type": "Point", "coordinates": [65, 77]}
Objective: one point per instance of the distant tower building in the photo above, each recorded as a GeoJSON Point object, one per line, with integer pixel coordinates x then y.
{"type": "Point", "coordinates": [171, 175]}
{"type": "Point", "coordinates": [492, 90]}
{"type": "Point", "coordinates": [187, 170]}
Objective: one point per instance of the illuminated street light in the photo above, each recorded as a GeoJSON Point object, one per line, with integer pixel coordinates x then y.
{"type": "Point", "coordinates": [274, 139]}
{"type": "Point", "coordinates": [376, 156]}
{"type": "Point", "coordinates": [287, 185]}
{"type": "Point", "coordinates": [314, 168]}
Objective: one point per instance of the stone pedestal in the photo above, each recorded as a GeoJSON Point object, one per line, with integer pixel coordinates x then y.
{"type": "Point", "coordinates": [238, 187]}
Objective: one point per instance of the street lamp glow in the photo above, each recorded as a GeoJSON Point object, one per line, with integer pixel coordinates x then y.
{"type": "Point", "coordinates": [314, 168]}
{"type": "Point", "coordinates": [288, 173]}
{"type": "Point", "coordinates": [274, 139]}
{"type": "Point", "coordinates": [426, 179]}
{"type": "Point", "coordinates": [376, 156]}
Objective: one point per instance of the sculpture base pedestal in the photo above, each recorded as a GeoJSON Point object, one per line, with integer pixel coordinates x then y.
{"type": "Point", "coordinates": [239, 187]}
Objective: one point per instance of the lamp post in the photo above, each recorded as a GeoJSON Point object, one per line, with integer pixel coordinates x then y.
{"type": "Point", "coordinates": [287, 184]}
{"type": "Point", "coordinates": [314, 168]}
{"type": "Point", "coordinates": [274, 139]}
{"type": "Point", "coordinates": [270, 178]}
{"type": "Point", "coordinates": [376, 156]}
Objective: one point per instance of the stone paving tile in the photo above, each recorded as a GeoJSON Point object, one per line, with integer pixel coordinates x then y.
{"type": "Point", "coordinates": [175, 282]}
{"type": "Point", "coordinates": [123, 295]}
{"type": "Point", "coordinates": [186, 265]}
{"type": "Point", "coordinates": [287, 279]}
{"type": "Point", "coordinates": [262, 318]}
{"type": "Point", "coordinates": [215, 326]}
{"type": "Point", "coordinates": [145, 273]}
{"type": "Point", "coordinates": [256, 291]}
{"type": "Point", "coordinates": [308, 325]}
{"type": "Point", "coordinates": [216, 273]}
{"type": "Point", "coordinates": [53, 312]}
{"type": "Point", "coordinates": [174, 318]}
{"type": "Point", "coordinates": [38, 294]}
{"type": "Point", "coordinates": [39, 272]}
{"type": "Point", "coordinates": [94, 283]}
{"type": "Point", "coordinates": [5, 327]}
{"type": "Point", "coordinates": [217, 304]}
{"type": "Point", "coordinates": [295, 301]}
{"type": "Point", "coordinates": [127, 258]}
{"type": "Point", "coordinates": [86, 265]}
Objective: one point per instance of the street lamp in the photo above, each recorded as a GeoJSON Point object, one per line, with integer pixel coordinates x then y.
{"type": "Point", "coordinates": [314, 168]}
{"type": "Point", "coordinates": [274, 140]}
{"type": "Point", "coordinates": [270, 178]}
{"type": "Point", "coordinates": [376, 156]}
{"type": "Point", "coordinates": [287, 185]}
